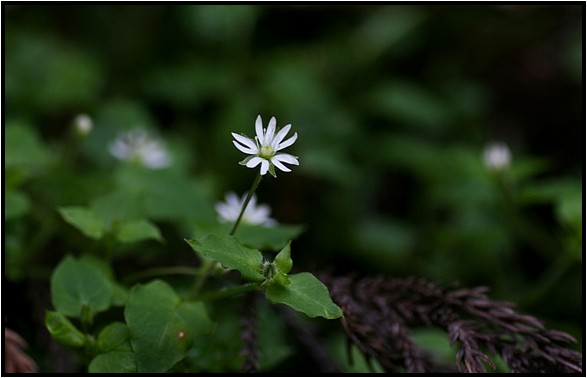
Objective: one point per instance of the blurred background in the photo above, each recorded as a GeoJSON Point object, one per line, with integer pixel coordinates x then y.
{"type": "Point", "coordinates": [394, 106]}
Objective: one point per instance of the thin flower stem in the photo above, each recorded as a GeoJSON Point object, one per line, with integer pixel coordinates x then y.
{"type": "Point", "coordinates": [200, 282]}
{"type": "Point", "coordinates": [249, 196]}
{"type": "Point", "coordinates": [224, 293]}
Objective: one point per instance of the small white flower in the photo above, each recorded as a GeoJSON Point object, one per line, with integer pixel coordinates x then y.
{"type": "Point", "coordinates": [497, 156]}
{"type": "Point", "coordinates": [264, 148]}
{"type": "Point", "coordinates": [83, 124]}
{"type": "Point", "coordinates": [256, 215]}
{"type": "Point", "coordinates": [138, 145]}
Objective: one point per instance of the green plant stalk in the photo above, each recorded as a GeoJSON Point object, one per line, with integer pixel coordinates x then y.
{"type": "Point", "coordinates": [246, 203]}
{"type": "Point", "coordinates": [200, 282]}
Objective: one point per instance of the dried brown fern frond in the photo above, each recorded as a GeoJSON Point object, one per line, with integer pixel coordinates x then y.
{"type": "Point", "coordinates": [380, 311]}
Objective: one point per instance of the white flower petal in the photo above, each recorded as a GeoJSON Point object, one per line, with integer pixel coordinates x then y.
{"type": "Point", "coordinates": [230, 210]}
{"type": "Point", "coordinates": [232, 199]}
{"type": "Point", "coordinates": [255, 161]}
{"type": "Point", "coordinates": [246, 141]}
{"type": "Point", "coordinates": [264, 166]}
{"type": "Point", "coordinates": [280, 166]}
{"type": "Point", "coordinates": [270, 132]}
{"type": "Point", "coordinates": [280, 135]}
{"type": "Point", "coordinates": [246, 150]}
{"type": "Point", "coordinates": [287, 143]}
{"type": "Point", "coordinates": [259, 129]}
{"type": "Point", "coordinates": [119, 149]}
{"type": "Point", "coordinates": [252, 203]}
{"type": "Point", "coordinates": [286, 158]}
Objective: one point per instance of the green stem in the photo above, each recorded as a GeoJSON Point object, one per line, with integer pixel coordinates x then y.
{"type": "Point", "coordinates": [224, 293]}
{"type": "Point", "coordinates": [245, 204]}
{"type": "Point", "coordinates": [167, 270]}
{"type": "Point", "coordinates": [200, 282]}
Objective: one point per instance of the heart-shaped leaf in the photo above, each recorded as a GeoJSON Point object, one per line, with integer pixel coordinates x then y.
{"type": "Point", "coordinates": [162, 326]}
{"type": "Point", "coordinates": [78, 284]}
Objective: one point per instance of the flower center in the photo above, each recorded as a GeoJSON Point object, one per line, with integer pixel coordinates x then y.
{"type": "Point", "coordinates": [266, 152]}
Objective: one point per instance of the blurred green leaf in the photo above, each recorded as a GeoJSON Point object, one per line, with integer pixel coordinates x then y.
{"type": "Point", "coordinates": [23, 147]}
{"type": "Point", "coordinates": [162, 326]}
{"type": "Point", "coordinates": [85, 220]}
{"type": "Point", "coordinates": [76, 284]}
{"type": "Point", "coordinates": [16, 204]}
{"type": "Point", "coordinates": [383, 29]}
{"type": "Point", "coordinates": [165, 195]}
{"type": "Point", "coordinates": [118, 206]}
{"type": "Point", "coordinates": [219, 23]}
{"type": "Point", "coordinates": [231, 254]}
{"type": "Point", "coordinates": [137, 230]}
{"type": "Point", "coordinates": [412, 104]}
{"type": "Point", "coordinates": [271, 238]}
{"type": "Point", "coordinates": [384, 243]}
{"type": "Point", "coordinates": [62, 330]}
{"type": "Point", "coordinates": [305, 294]}
{"type": "Point", "coordinates": [114, 362]}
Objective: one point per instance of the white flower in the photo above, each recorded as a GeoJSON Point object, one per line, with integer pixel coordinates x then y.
{"type": "Point", "coordinates": [138, 145]}
{"type": "Point", "coordinates": [229, 211]}
{"type": "Point", "coordinates": [83, 124]}
{"type": "Point", "coordinates": [264, 148]}
{"type": "Point", "coordinates": [497, 156]}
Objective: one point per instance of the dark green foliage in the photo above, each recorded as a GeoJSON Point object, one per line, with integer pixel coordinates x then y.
{"type": "Point", "coordinates": [393, 106]}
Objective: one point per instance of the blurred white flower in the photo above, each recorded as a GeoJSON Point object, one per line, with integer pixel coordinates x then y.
{"type": "Point", "coordinates": [256, 215]}
{"type": "Point", "coordinates": [83, 124]}
{"type": "Point", "coordinates": [138, 145]}
{"type": "Point", "coordinates": [497, 156]}
{"type": "Point", "coordinates": [263, 149]}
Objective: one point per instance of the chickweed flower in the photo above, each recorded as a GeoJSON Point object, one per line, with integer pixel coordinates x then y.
{"type": "Point", "coordinates": [137, 145]}
{"type": "Point", "coordinates": [83, 124]}
{"type": "Point", "coordinates": [497, 156]}
{"type": "Point", "coordinates": [255, 215]}
{"type": "Point", "coordinates": [264, 148]}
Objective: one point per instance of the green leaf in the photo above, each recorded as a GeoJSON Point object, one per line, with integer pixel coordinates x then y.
{"type": "Point", "coordinates": [162, 326]}
{"type": "Point", "coordinates": [306, 294]}
{"type": "Point", "coordinates": [117, 361]}
{"type": "Point", "coordinates": [84, 220]}
{"type": "Point", "coordinates": [117, 355]}
{"type": "Point", "coordinates": [62, 330]}
{"type": "Point", "coordinates": [75, 284]}
{"type": "Point", "coordinates": [283, 261]}
{"type": "Point", "coordinates": [23, 147]}
{"type": "Point", "coordinates": [114, 336]}
{"type": "Point", "coordinates": [137, 230]}
{"type": "Point", "coordinates": [231, 254]}
{"type": "Point", "coordinates": [119, 292]}
{"type": "Point", "coordinates": [16, 204]}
